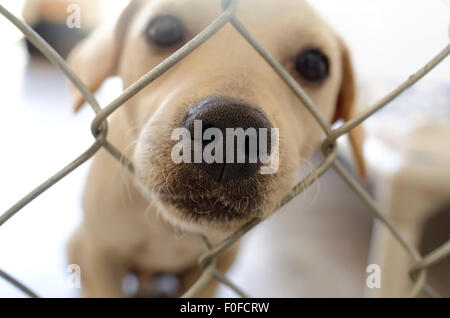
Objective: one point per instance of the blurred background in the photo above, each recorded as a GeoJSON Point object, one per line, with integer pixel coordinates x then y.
{"type": "Point", "coordinates": [317, 246]}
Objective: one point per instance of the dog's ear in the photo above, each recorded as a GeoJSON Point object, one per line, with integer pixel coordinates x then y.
{"type": "Point", "coordinates": [96, 58]}
{"type": "Point", "coordinates": [347, 108]}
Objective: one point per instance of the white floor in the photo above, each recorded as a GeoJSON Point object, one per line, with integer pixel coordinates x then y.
{"type": "Point", "coordinates": [39, 135]}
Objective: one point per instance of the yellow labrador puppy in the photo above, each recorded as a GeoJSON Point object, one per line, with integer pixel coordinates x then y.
{"type": "Point", "coordinates": [133, 222]}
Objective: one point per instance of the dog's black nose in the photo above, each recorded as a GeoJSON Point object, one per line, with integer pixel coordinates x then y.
{"type": "Point", "coordinates": [245, 136]}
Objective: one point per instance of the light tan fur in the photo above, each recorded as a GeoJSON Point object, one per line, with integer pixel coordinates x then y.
{"type": "Point", "coordinates": [126, 225]}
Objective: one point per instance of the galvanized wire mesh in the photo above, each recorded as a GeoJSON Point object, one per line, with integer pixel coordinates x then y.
{"type": "Point", "coordinates": [99, 129]}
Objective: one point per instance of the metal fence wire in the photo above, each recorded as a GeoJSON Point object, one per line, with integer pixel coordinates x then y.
{"type": "Point", "coordinates": [99, 128]}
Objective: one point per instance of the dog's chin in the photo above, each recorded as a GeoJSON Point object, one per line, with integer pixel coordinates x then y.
{"type": "Point", "coordinates": [201, 214]}
{"type": "Point", "coordinates": [198, 214]}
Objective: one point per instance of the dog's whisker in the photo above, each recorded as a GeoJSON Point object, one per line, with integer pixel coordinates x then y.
{"type": "Point", "coordinates": [125, 174]}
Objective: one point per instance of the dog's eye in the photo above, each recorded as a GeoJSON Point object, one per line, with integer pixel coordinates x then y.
{"type": "Point", "coordinates": [313, 65]}
{"type": "Point", "coordinates": [165, 30]}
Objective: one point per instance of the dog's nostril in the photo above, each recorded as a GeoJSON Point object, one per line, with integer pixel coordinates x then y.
{"type": "Point", "coordinates": [205, 127]}
{"type": "Point", "coordinates": [231, 117]}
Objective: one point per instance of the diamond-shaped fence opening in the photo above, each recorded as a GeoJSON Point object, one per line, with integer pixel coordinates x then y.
{"type": "Point", "coordinates": [329, 147]}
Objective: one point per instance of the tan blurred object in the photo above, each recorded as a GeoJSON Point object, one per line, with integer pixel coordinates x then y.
{"type": "Point", "coordinates": [414, 188]}
{"type": "Point", "coordinates": [50, 19]}
{"type": "Point", "coordinates": [56, 11]}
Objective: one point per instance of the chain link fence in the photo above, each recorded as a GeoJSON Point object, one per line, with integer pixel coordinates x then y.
{"type": "Point", "coordinates": [99, 128]}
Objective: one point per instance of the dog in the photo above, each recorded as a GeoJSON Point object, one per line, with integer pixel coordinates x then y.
{"type": "Point", "coordinates": [145, 221]}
